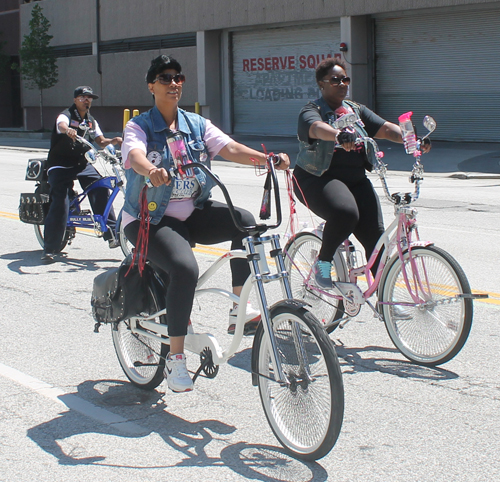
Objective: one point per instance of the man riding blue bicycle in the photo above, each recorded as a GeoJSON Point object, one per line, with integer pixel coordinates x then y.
{"type": "Point", "coordinates": [66, 162]}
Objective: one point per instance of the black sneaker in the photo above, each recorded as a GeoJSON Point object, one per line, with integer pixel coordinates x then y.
{"type": "Point", "coordinates": [114, 243]}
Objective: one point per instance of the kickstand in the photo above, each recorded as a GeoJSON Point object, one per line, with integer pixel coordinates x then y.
{"type": "Point", "coordinates": [207, 365]}
{"type": "Point", "coordinates": [202, 366]}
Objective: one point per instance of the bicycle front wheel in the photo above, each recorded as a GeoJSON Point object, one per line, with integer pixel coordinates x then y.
{"type": "Point", "coordinates": [305, 412]}
{"type": "Point", "coordinates": [301, 253]}
{"type": "Point", "coordinates": [433, 331]}
{"type": "Point", "coordinates": [134, 347]}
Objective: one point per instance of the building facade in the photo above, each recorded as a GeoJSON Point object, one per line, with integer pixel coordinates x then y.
{"type": "Point", "coordinates": [250, 63]}
{"type": "Point", "coordinates": [10, 84]}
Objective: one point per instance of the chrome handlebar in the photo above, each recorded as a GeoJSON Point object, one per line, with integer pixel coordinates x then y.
{"type": "Point", "coordinates": [108, 154]}
{"type": "Point", "coordinates": [417, 173]}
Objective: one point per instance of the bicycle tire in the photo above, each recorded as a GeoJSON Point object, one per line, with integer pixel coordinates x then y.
{"type": "Point", "coordinates": [130, 348]}
{"type": "Point", "coordinates": [433, 333]}
{"type": "Point", "coordinates": [300, 254]}
{"type": "Point", "coordinates": [125, 245]}
{"type": "Point", "coordinates": [306, 414]}
{"type": "Point", "coordinates": [69, 233]}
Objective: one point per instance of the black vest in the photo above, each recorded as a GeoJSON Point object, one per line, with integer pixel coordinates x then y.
{"type": "Point", "coordinates": [63, 151]}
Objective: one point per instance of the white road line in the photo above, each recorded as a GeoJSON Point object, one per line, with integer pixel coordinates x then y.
{"type": "Point", "coordinates": [72, 402]}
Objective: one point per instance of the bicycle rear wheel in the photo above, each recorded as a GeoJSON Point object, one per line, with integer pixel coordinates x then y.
{"type": "Point", "coordinates": [434, 331]}
{"type": "Point", "coordinates": [305, 413]}
{"type": "Point", "coordinates": [125, 245]}
{"type": "Point", "coordinates": [301, 252]}
{"type": "Point", "coordinates": [69, 233]}
{"type": "Point", "coordinates": [132, 347]}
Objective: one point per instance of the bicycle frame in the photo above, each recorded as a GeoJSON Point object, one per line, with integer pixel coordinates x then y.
{"type": "Point", "coordinates": [260, 275]}
{"type": "Point", "coordinates": [97, 222]}
{"type": "Point", "coordinates": [397, 236]}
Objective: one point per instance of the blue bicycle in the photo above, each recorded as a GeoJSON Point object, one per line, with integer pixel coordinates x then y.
{"type": "Point", "coordinates": [34, 206]}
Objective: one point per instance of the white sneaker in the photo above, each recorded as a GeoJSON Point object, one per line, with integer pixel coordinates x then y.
{"type": "Point", "coordinates": [252, 320]}
{"type": "Point", "coordinates": [178, 379]}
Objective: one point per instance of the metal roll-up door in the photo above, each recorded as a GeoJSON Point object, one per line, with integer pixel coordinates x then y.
{"type": "Point", "coordinates": [273, 75]}
{"type": "Point", "coordinates": [446, 65]}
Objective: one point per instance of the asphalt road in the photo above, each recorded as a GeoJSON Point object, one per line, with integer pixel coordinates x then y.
{"type": "Point", "coordinates": [67, 412]}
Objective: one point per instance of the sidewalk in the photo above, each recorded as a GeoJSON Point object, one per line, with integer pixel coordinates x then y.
{"type": "Point", "coordinates": [460, 159]}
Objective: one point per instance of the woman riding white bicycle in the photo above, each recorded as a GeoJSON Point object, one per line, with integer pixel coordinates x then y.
{"type": "Point", "coordinates": [179, 209]}
{"type": "Point", "coordinates": [332, 180]}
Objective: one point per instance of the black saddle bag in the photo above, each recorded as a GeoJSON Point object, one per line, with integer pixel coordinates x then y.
{"type": "Point", "coordinates": [33, 207]}
{"type": "Point", "coordinates": [117, 296]}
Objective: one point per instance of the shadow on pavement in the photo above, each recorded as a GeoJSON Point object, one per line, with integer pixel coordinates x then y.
{"type": "Point", "coordinates": [352, 362]}
{"type": "Point", "coordinates": [147, 411]}
{"type": "Point", "coordinates": [30, 259]}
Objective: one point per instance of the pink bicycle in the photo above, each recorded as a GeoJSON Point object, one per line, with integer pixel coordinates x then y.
{"type": "Point", "coordinates": [424, 297]}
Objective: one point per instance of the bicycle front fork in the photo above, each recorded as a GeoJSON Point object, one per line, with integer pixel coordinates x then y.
{"type": "Point", "coordinates": [261, 274]}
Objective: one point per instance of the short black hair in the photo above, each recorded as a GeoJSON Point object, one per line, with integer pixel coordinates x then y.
{"type": "Point", "coordinates": [159, 64]}
{"type": "Point", "coordinates": [325, 65]}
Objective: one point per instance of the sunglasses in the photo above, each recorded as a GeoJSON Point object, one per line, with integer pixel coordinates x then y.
{"type": "Point", "coordinates": [338, 80]}
{"type": "Point", "coordinates": [166, 79]}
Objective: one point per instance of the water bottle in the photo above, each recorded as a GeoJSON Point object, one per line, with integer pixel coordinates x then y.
{"type": "Point", "coordinates": [179, 154]}
{"type": "Point", "coordinates": [408, 133]}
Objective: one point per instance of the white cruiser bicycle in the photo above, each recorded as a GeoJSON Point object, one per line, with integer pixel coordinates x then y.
{"type": "Point", "coordinates": [294, 363]}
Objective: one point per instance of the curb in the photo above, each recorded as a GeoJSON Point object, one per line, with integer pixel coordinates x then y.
{"type": "Point", "coordinates": [451, 175]}
{"type": "Point", "coordinates": [28, 149]}
{"type": "Point", "coordinates": [474, 175]}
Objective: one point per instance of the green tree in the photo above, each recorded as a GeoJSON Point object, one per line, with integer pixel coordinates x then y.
{"type": "Point", "coordinates": [38, 64]}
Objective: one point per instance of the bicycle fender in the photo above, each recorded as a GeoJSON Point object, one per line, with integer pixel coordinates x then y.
{"type": "Point", "coordinates": [290, 302]}
{"type": "Point", "coordinates": [421, 244]}
{"type": "Point", "coordinates": [317, 231]}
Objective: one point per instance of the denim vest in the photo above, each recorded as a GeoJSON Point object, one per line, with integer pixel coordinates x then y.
{"type": "Point", "coordinates": [192, 127]}
{"type": "Point", "coordinates": [315, 158]}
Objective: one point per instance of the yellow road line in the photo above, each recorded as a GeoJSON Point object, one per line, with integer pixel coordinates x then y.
{"type": "Point", "coordinates": [9, 215]}
{"type": "Point", "coordinates": [494, 298]}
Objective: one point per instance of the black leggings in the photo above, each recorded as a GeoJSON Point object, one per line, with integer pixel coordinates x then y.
{"type": "Point", "coordinates": [347, 208]}
{"type": "Point", "coordinates": [169, 250]}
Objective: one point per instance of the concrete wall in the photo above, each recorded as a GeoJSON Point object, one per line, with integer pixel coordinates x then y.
{"type": "Point", "coordinates": [129, 19]}
{"type": "Point", "coordinates": [72, 21]}
{"type": "Point", "coordinates": [121, 84]}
